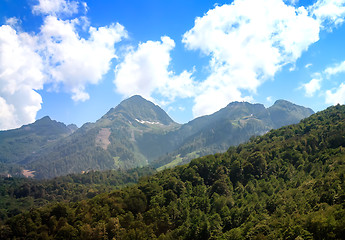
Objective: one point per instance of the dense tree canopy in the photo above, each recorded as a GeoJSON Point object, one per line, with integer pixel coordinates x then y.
{"type": "Point", "coordinates": [287, 184]}
{"type": "Point", "coordinates": [21, 194]}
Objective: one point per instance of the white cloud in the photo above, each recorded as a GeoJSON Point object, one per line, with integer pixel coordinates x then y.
{"type": "Point", "coordinates": [338, 68]}
{"type": "Point", "coordinates": [13, 22]}
{"type": "Point", "coordinates": [248, 41]}
{"type": "Point", "coordinates": [331, 96]}
{"type": "Point", "coordinates": [308, 65]}
{"type": "Point", "coordinates": [55, 7]}
{"type": "Point", "coordinates": [85, 6]}
{"type": "Point", "coordinates": [293, 2]}
{"type": "Point", "coordinates": [338, 96]}
{"type": "Point", "coordinates": [20, 75]}
{"type": "Point", "coordinates": [145, 71]}
{"type": "Point", "coordinates": [74, 61]}
{"type": "Point", "coordinates": [7, 115]}
{"type": "Point", "coordinates": [329, 11]}
{"type": "Point", "coordinates": [311, 87]}
{"type": "Point", "coordinates": [56, 55]}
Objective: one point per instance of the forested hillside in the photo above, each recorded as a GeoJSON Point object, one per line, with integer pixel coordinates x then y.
{"type": "Point", "coordinates": [18, 144]}
{"type": "Point", "coordinates": [230, 126]}
{"type": "Point", "coordinates": [287, 184]}
{"type": "Point", "coordinates": [21, 194]}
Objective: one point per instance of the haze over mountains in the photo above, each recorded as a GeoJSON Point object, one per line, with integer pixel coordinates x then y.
{"type": "Point", "coordinates": [137, 133]}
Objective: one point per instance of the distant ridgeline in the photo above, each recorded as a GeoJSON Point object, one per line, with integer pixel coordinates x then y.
{"type": "Point", "coordinates": [286, 184]}
{"type": "Point", "coordinates": [136, 133]}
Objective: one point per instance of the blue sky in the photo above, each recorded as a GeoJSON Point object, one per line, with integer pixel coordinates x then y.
{"type": "Point", "coordinates": [74, 60]}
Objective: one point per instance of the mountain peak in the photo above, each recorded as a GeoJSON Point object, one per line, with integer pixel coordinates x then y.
{"type": "Point", "coordinates": [45, 119]}
{"type": "Point", "coordinates": [284, 112]}
{"type": "Point", "coordinates": [47, 126]}
{"type": "Point", "coordinates": [283, 103]}
{"type": "Point", "coordinates": [135, 100]}
{"type": "Point", "coordinates": [141, 110]}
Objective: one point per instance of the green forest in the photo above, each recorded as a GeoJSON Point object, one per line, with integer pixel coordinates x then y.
{"type": "Point", "coordinates": [286, 184]}
{"type": "Point", "coordinates": [18, 195]}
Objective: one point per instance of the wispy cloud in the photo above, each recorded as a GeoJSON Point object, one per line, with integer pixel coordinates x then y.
{"type": "Point", "coordinates": [308, 65]}
{"type": "Point", "coordinates": [337, 68]}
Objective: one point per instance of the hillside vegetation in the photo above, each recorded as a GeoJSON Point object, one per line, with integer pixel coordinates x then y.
{"type": "Point", "coordinates": [18, 144]}
{"type": "Point", "coordinates": [18, 195]}
{"type": "Point", "coordinates": [287, 184]}
{"type": "Point", "coordinates": [137, 133]}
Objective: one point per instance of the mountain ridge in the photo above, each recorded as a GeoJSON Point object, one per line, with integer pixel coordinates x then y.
{"type": "Point", "coordinates": [138, 133]}
{"type": "Point", "coordinates": [35, 136]}
{"type": "Point", "coordinates": [286, 184]}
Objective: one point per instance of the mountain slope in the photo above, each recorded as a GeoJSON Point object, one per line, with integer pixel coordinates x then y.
{"type": "Point", "coordinates": [18, 144]}
{"type": "Point", "coordinates": [230, 126]}
{"type": "Point", "coordinates": [284, 113]}
{"type": "Point", "coordinates": [137, 133]}
{"type": "Point", "coordinates": [286, 184]}
{"type": "Point", "coordinates": [109, 143]}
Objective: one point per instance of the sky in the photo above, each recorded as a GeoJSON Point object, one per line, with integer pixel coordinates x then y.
{"type": "Point", "coordinates": [73, 60]}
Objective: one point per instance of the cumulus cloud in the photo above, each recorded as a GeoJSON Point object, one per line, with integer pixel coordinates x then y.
{"type": "Point", "coordinates": [332, 96]}
{"type": "Point", "coordinates": [74, 61]}
{"type": "Point", "coordinates": [337, 96]}
{"type": "Point", "coordinates": [145, 71]}
{"type": "Point", "coordinates": [55, 7]}
{"type": "Point", "coordinates": [311, 87]}
{"type": "Point", "coordinates": [329, 11]}
{"type": "Point", "coordinates": [248, 41]}
{"type": "Point", "coordinates": [20, 75]}
{"type": "Point", "coordinates": [56, 55]}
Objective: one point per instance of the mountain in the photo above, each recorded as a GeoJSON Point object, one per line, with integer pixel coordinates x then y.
{"type": "Point", "coordinates": [287, 184]}
{"type": "Point", "coordinates": [18, 144]}
{"type": "Point", "coordinates": [139, 109]}
{"type": "Point", "coordinates": [230, 126]}
{"type": "Point", "coordinates": [138, 133]}
{"type": "Point", "coordinates": [109, 143]}
{"type": "Point", "coordinates": [284, 113]}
